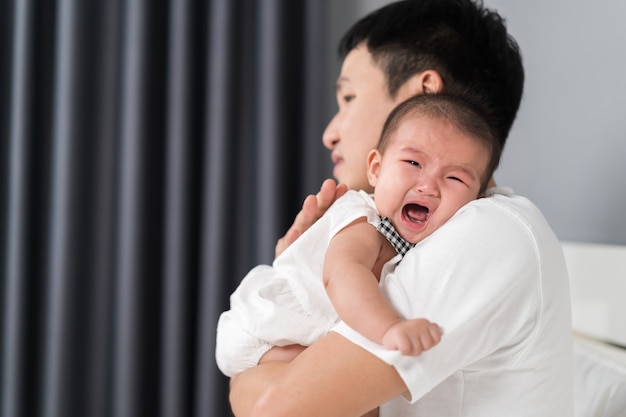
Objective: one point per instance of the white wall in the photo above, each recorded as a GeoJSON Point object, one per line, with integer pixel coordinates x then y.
{"type": "Point", "coordinates": [567, 149]}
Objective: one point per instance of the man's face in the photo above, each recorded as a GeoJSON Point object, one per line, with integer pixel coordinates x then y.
{"type": "Point", "coordinates": [364, 104]}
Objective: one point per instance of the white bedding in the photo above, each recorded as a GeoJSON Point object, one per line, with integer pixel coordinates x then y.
{"type": "Point", "coordinates": [599, 379]}
{"type": "Point", "coordinates": [598, 281]}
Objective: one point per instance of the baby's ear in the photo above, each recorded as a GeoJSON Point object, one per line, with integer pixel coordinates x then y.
{"type": "Point", "coordinates": [373, 166]}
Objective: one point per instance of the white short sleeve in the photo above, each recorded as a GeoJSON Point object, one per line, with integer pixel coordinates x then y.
{"type": "Point", "coordinates": [495, 279]}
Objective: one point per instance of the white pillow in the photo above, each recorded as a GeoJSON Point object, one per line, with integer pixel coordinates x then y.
{"type": "Point", "coordinates": [599, 379]}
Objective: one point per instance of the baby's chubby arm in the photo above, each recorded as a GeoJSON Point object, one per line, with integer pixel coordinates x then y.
{"type": "Point", "coordinates": [352, 286]}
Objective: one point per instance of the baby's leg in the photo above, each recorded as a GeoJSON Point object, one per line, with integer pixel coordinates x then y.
{"type": "Point", "coordinates": [237, 350]}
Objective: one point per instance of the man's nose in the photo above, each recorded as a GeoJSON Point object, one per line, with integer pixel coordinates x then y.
{"type": "Point", "coordinates": [330, 137]}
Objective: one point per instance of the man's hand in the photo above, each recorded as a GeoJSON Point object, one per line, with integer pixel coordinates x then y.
{"type": "Point", "coordinates": [313, 208]}
{"type": "Point", "coordinates": [373, 413]}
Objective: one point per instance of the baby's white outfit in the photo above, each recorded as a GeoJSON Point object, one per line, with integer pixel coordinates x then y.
{"type": "Point", "coordinates": [286, 303]}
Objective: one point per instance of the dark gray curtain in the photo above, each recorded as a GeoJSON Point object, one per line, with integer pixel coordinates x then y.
{"type": "Point", "coordinates": [151, 152]}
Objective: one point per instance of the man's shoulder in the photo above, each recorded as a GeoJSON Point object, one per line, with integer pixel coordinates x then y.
{"type": "Point", "coordinates": [500, 210]}
{"type": "Point", "coordinates": [501, 223]}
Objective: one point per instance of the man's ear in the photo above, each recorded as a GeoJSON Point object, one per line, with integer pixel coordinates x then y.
{"type": "Point", "coordinates": [427, 82]}
{"type": "Point", "coordinates": [432, 83]}
{"type": "Point", "coordinates": [373, 166]}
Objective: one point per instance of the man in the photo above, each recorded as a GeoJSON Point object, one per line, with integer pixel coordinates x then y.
{"type": "Point", "coordinates": [493, 277]}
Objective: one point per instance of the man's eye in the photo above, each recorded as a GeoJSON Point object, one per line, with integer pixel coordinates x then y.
{"type": "Point", "coordinates": [348, 98]}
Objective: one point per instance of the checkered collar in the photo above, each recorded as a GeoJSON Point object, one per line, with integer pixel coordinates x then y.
{"type": "Point", "coordinates": [386, 228]}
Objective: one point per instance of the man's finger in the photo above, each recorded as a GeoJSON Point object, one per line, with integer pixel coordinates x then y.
{"type": "Point", "coordinates": [326, 195]}
{"type": "Point", "coordinates": [340, 190]}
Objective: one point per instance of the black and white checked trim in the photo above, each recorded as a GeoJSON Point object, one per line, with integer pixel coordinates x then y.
{"type": "Point", "coordinates": [386, 228]}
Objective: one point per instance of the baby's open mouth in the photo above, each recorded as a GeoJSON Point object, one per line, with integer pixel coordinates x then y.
{"type": "Point", "coordinates": [416, 213]}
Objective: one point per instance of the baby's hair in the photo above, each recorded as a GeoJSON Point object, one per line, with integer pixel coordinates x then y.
{"type": "Point", "coordinates": [464, 112]}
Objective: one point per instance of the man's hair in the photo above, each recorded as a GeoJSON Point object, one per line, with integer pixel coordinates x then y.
{"type": "Point", "coordinates": [465, 112]}
{"type": "Point", "coordinates": [467, 44]}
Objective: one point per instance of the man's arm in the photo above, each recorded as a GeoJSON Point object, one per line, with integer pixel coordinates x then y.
{"type": "Point", "coordinates": [333, 377]}
{"type": "Point", "coordinates": [282, 353]}
{"type": "Point", "coordinates": [313, 208]}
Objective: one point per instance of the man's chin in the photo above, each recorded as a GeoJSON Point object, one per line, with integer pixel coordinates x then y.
{"type": "Point", "coordinates": [352, 183]}
{"type": "Point", "coordinates": [359, 187]}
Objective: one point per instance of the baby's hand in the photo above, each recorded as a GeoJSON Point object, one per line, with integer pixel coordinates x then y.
{"type": "Point", "coordinates": [412, 337]}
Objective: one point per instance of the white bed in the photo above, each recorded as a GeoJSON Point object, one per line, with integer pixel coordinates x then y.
{"type": "Point", "coordinates": [598, 286]}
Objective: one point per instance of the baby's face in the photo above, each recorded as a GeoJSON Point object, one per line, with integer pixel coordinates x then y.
{"type": "Point", "coordinates": [429, 170]}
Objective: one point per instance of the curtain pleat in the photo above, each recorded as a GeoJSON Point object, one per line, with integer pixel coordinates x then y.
{"type": "Point", "coordinates": [130, 229]}
{"type": "Point", "coordinates": [152, 153]}
{"type": "Point", "coordinates": [59, 287]}
{"type": "Point", "coordinates": [14, 294]}
{"type": "Point", "coordinates": [216, 238]}
{"type": "Point", "coordinates": [180, 237]}
{"type": "Point", "coordinates": [101, 269]}
{"type": "Point", "coordinates": [315, 160]}
{"type": "Point", "coordinates": [268, 103]}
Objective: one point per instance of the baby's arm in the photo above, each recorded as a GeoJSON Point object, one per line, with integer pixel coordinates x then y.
{"type": "Point", "coordinates": [353, 289]}
{"type": "Point", "coordinates": [412, 337]}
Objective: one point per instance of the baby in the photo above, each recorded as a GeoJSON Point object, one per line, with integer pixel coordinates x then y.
{"type": "Point", "coordinates": [436, 153]}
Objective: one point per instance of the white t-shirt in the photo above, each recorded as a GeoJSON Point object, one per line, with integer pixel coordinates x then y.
{"type": "Point", "coordinates": [494, 277]}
